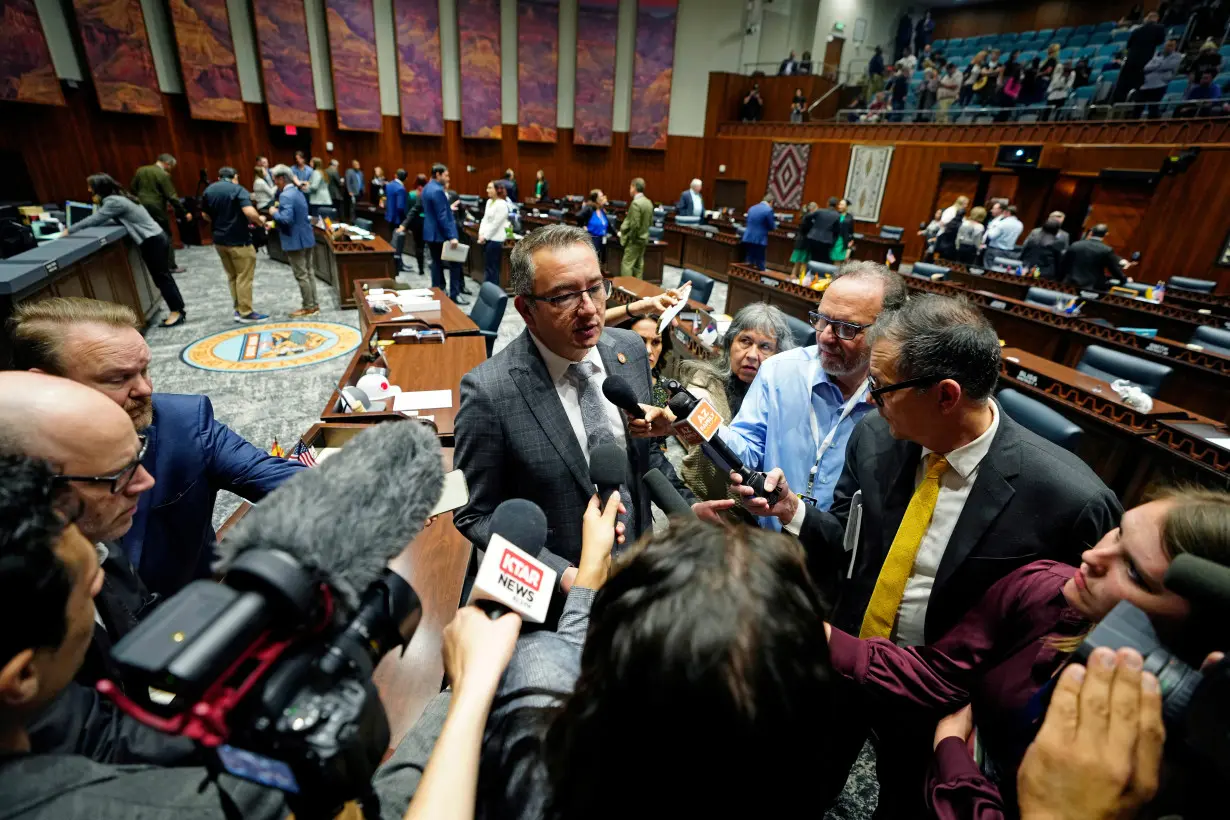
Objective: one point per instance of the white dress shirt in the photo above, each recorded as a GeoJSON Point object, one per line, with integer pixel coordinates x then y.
{"type": "Point", "coordinates": [950, 213]}
{"type": "Point", "coordinates": [955, 485]}
{"type": "Point", "coordinates": [1003, 232]}
{"type": "Point", "coordinates": [494, 226]}
{"type": "Point", "coordinates": [698, 204]}
{"type": "Point", "coordinates": [570, 397]}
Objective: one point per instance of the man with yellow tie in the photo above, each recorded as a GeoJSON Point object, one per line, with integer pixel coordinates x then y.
{"type": "Point", "coordinates": [942, 494]}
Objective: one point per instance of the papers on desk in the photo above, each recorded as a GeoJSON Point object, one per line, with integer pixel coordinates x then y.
{"type": "Point", "coordinates": [325, 452]}
{"type": "Point", "coordinates": [671, 312]}
{"type": "Point", "coordinates": [454, 254]}
{"type": "Point", "coordinates": [423, 400]}
{"type": "Point", "coordinates": [1223, 443]}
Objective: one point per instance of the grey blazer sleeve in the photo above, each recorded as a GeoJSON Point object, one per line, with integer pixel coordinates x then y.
{"type": "Point", "coordinates": [479, 454]}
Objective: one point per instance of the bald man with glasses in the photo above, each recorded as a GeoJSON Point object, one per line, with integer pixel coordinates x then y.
{"type": "Point", "coordinates": [531, 414]}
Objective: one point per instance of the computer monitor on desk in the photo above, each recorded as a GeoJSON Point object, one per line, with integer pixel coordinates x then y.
{"type": "Point", "coordinates": [77, 211]}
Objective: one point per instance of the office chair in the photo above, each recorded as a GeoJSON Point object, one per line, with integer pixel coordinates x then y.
{"type": "Point", "coordinates": [821, 268]}
{"type": "Point", "coordinates": [1187, 283]}
{"type": "Point", "coordinates": [656, 232]}
{"type": "Point", "coordinates": [488, 312]}
{"type": "Point", "coordinates": [702, 286]}
{"type": "Point", "coordinates": [555, 212]}
{"type": "Point", "coordinates": [618, 203]}
{"type": "Point", "coordinates": [363, 223]}
{"type": "Point", "coordinates": [327, 213]}
{"type": "Point", "coordinates": [1038, 418]}
{"type": "Point", "coordinates": [892, 232]}
{"type": "Point", "coordinates": [469, 200]}
{"type": "Point", "coordinates": [1107, 364]}
{"type": "Point", "coordinates": [927, 270]}
{"type": "Point", "coordinates": [804, 334]}
{"type": "Point", "coordinates": [1213, 339]}
{"type": "Point", "coordinates": [1043, 297]}
{"type": "Point", "coordinates": [691, 221]}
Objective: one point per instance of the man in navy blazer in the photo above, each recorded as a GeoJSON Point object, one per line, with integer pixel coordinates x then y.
{"type": "Point", "coordinates": [760, 220]}
{"type": "Point", "coordinates": [690, 201]}
{"type": "Point", "coordinates": [290, 215]}
{"type": "Point", "coordinates": [189, 453]}
{"type": "Point", "coordinates": [439, 226]}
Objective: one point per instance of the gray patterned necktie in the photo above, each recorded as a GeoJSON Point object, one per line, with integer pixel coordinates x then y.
{"type": "Point", "coordinates": [598, 431]}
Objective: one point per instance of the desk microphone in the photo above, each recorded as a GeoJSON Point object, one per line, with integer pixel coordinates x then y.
{"type": "Point", "coordinates": [511, 578]}
{"type": "Point", "coordinates": [664, 494]}
{"type": "Point", "coordinates": [619, 393]}
{"type": "Point", "coordinates": [697, 422]}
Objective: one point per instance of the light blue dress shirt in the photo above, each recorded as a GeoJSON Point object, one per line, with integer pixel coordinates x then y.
{"type": "Point", "coordinates": [773, 427]}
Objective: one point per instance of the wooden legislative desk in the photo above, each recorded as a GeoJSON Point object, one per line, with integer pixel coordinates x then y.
{"type": "Point", "coordinates": [877, 248]}
{"type": "Point", "coordinates": [1200, 380]}
{"type": "Point", "coordinates": [340, 260]}
{"type": "Point", "coordinates": [380, 225]}
{"type": "Point", "coordinates": [1129, 449]}
{"type": "Point", "coordinates": [707, 252]}
{"type": "Point", "coordinates": [412, 367]}
{"type": "Point", "coordinates": [452, 318]}
{"type": "Point", "coordinates": [97, 263]}
{"type": "Point", "coordinates": [435, 565]}
{"type": "Point", "coordinates": [745, 285]}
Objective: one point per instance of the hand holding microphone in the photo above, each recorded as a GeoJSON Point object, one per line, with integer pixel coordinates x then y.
{"type": "Point", "coordinates": [477, 649]}
{"type": "Point", "coordinates": [783, 508]}
{"type": "Point", "coordinates": [644, 420]}
{"type": "Point", "coordinates": [598, 535]}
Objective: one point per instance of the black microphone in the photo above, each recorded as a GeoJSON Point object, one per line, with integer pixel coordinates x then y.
{"type": "Point", "coordinates": [1205, 583]}
{"type": "Point", "coordinates": [608, 469]}
{"type": "Point", "coordinates": [353, 513]}
{"type": "Point", "coordinates": [682, 405]}
{"type": "Point", "coordinates": [664, 494]}
{"type": "Point", "coordinates": [619, 393]}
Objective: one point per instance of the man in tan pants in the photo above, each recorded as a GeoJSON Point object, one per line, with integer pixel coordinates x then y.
{"type": "Point", "coordinates": [230, 209]}
{"type": "Point", "coordinates": [634, 231]}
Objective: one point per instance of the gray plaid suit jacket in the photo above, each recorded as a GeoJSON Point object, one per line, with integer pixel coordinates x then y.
{"type": "Point", "coordinates": [513, 440]}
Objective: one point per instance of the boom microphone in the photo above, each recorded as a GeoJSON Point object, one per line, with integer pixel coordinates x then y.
{"type": "Point", "coordinates": [697, 422]}
{"type": "Point", "coordinates": [619, 393]}
{"type": "Point", "coordinates": [664, 494]}
{"type": "Point", "coordinates": [350, 516]}
{"type": "Point", "coordinates": [511, 578]}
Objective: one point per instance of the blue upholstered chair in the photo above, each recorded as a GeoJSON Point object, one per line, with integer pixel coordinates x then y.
{"type": "Point", "coordinates": [1187, 283]}
{"type": "Point", "coordinates": [1038, 418]}
{"type": "Point", "coordinates": [488, 312]}
{"type": "Point", "coordinates": [821, 268]}
{"type": "Point", "coordinates": [927, 270]}
{"type": "Point", "coordinates": [702, 286]}
{"type": "Point", "coordinates": [363, 223]}
{"type": "Point", "coordinates": [1214, 339]}
{"type": "Point", "coordinates": [893, 232]}
{"type": "Point", "coordinates": [1043, 297]}
{"type": "Point", "coordinates": [804, 334]}
{"type": "Point", "coordinates": [1107, 364]}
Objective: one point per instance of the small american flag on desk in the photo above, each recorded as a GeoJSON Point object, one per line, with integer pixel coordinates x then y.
{"type": "Point", "coordinates": [890, 259]}
{"type": "Point", "coordinates": [303, 454]}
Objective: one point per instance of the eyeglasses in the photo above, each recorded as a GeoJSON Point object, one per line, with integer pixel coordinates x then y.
{"type": "Point", "coordinates": [877, 392]}
{"type": "Point", "coordinates": [119, 480]}
{"type": "Point", "coordinates": [597, 294]}
{"type": "Point", "coordinates": [846, 331]}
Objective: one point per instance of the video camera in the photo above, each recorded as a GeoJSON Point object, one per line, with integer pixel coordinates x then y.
{"type": "Point", "coordinates": [1195, 703]}
{"type": "Point", "coordinates": [272, 672]}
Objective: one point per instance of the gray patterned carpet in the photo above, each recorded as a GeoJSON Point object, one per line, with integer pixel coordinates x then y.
{"type": "Point", "coordinates": [284, 404]}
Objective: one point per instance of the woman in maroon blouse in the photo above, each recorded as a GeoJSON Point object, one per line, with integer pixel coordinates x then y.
{"type": "Point", "coordinates": [1022, 631]}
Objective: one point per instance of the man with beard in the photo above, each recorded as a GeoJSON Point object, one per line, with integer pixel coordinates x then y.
{"type": "Point", "coordinates": [191, 454]}
{"type": "Point", "coordinates": [799, 411]}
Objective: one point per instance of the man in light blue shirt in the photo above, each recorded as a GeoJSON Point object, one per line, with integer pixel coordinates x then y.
{"type": "Point", "coordinates": [805, 402]}
{"type": "Point", "coordinates": [1003, 231]}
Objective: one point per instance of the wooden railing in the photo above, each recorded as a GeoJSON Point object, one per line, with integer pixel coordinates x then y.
{"type": "Point", "coordinates": [1087, 132]}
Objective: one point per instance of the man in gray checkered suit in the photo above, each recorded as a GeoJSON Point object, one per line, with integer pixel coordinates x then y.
{"type": "Point", "coordinates": [530, 414]}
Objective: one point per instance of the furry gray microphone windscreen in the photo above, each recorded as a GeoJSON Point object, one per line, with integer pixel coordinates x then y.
{"type": "Point", "coordinates": [354, 512]}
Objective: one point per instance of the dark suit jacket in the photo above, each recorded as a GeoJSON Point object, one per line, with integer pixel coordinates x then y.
{"type": "Point", "coordinates": [1031, 501]}
{"type": "Point", "coordinates": [1046, 257]}
{"type": "Point", "coordinates": [823, 228]}
{"type": "Point", "coordinates": [514, 441]}
{"type": "Point", "coordinates": [684, 206]}
{"type": "Point", "coordinates": [439, 224]}
{"type": "Point", "coordinates": [1089, 263]}
{"type": "Point", "coordinates": [191, 457]}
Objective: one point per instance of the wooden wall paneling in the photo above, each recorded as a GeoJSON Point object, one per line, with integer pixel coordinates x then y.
{"type": "Point", "coordinates": [1032, 191]}
{"type": "Point", "coordinates": [999, 186]}
{"type": "Point", "coordinates": [1185, 227]}
{"type": "Point", "coordinates": [1122, 206]}
{"type": "Point", "coordinates": [952, 184]}
{"type": "Point", "coordinates": [1009, 15]}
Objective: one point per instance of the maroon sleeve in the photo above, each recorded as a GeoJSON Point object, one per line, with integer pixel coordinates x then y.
{"type": "Point", "coordinates": [956, 789]}
{"type": "Point", "coordinates": [938, 675]}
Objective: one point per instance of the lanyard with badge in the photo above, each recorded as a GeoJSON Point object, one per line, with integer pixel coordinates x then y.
{"type": "Point", "coordinates": [823, 446]}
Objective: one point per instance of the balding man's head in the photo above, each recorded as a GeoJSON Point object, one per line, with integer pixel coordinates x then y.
{"type": "Point", "coordinates": [82, 433]}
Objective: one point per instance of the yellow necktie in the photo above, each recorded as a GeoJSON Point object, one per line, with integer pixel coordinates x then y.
{"type": "Point", "coordinates": [890, 586]}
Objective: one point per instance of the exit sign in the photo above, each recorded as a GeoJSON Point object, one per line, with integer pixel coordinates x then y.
{"type": "Point", "coordinates": [839, 27]}
{"type": "Point", "coordinates": [291, 130]}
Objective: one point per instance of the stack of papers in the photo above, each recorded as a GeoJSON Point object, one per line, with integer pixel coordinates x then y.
{"type": "Point", "coordinates": [411, 403]}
